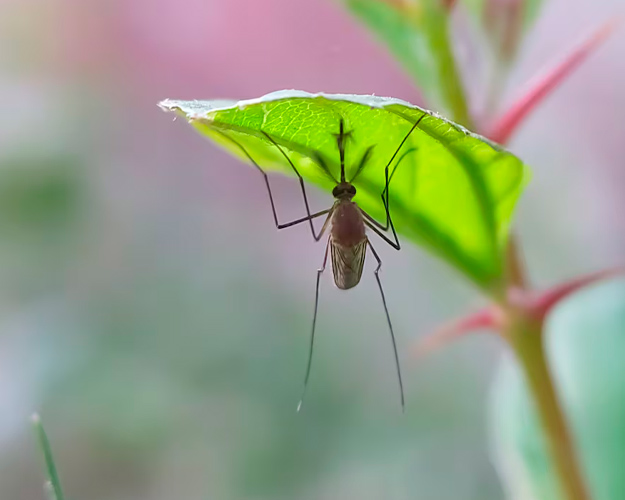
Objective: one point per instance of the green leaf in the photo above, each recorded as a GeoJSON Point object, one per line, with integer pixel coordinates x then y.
{"type": "Point", "coordinates": [417, 34]}
{"type": "Point", "coordinates": [585, 342]}
{"type": "Point", "coordinates": [455, 194]}
{"type": "Point", "coordinates": [54, 484]}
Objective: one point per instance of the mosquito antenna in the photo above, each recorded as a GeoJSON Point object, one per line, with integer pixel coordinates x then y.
{"type": "Point", "coordinates": [390, 326]}
{"type": "Point", "coordinates": [363, 162]}
{"type": "Point", "coordinates": [316, 156]}
{"type": "Point", "coordinates": [314, 322]}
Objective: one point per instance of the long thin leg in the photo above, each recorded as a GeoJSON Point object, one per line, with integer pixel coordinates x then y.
{"type": "Point", "coordinates": [317, 237]}
{"type": "Point", "coordinates": [312, 335]}
{"type": "Point", "coordinates": [390, 326]}
{"type": "Point", "coordinates": [390, 177]}
{"type": "Point", "coordinates": [304, 219]}
{"type": "Point", "coordinates": [369, 220]}
{"type": "Point", "coordinates": [309, 217]}
{"type": "Point", "coordinates": [385, 193]}
{"type": "Point", "coordinates": [386, 203]}
{"type": "Point", "coordinates": [389, 222]}
{"type": "Point", "coordinates": [416, 124]}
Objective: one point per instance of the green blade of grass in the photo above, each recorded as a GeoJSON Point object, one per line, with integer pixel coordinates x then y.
{"type": "Point", "coordinates": [54, 484]}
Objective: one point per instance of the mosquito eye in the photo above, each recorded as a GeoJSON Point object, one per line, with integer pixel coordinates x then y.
{"type": "Point", "coordinates": [352, 191]}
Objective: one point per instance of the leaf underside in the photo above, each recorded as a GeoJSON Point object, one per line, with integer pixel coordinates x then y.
{"type": "Point", "coordinates": [454, 195]}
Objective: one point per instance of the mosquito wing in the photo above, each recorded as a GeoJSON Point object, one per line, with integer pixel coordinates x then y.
{"type": "Point", "coordinates": [347, 263]}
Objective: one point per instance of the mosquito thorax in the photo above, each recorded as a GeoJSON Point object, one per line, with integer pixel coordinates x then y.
{"type": "Point", "coordinates": [343, 191]}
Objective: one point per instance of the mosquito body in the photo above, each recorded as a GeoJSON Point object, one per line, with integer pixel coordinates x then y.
{"type": "Point", "coordinates": [348, 239]}
{"type": "Point", "coordinates": [348, 223]}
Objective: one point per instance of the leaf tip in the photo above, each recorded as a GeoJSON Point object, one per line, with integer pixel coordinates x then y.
{"type": "Point", "coordinates": [166, 105]}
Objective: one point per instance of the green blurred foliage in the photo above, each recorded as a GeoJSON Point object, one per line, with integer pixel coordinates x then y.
{"type": "Point", "coordinates": [159, 373]}
{"type": "Point", "coordinates": [42, 206]}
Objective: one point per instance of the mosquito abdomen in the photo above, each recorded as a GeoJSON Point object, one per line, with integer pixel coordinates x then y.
{"type": "Point", "coordinates": [348, 244]}
{"type": "Point", "coordinates": [348, 227]}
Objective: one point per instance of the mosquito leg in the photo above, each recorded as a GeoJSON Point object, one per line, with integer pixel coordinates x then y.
{"type": "Point", "coordinates": [390, 326]}
{"type": "Point", "coordinates": [386, 203]}
{"type": "Point", "coordinates": [312, 335]}
{"type": "Point", "coordinates": [304, 219]}
{"type": "Point", "coordinates": [309, 217]}
{"type": "Point", "coordinates": [369, 222]}
{"type": "Point", "coordinates": [389, 222]}
{"type": "Point", "coordinates": [380, 228]}
{"type": "Point", "coordinates": [317, 237]}
{"type": "Point", "coordinates": [385, 193]}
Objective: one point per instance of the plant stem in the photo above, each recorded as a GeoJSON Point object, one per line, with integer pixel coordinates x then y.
{"type": "Point", "coordinates": [525, 335]}
{"type": "Point", "coordinates": [527, 341]}
{"type": "Point", "coordinates": [515, 270]}
{"type": "Point", "coordinates": [452, 87]}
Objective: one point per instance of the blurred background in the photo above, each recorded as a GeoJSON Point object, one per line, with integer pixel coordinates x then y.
{"type": "Point", "coordinates": [153, 315]}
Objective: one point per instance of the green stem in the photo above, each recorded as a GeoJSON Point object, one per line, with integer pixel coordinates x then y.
{"type": "Point", "coordinates": [437, 31]}
{"type": "Point", "coordinates": [515, 274]}
{"type": "Point", "coordinates": [527, 340]}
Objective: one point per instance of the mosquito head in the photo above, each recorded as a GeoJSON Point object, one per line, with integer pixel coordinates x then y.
{"type": "Point", "coordinates": [344, 191]}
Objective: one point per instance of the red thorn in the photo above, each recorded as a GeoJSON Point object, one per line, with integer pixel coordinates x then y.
{"type": "Point", "coordinates": [542, 85]}
{"type": "Point", "coordinates": [544, 302]}
{"type": "Point", "coordinates": [489, 318]}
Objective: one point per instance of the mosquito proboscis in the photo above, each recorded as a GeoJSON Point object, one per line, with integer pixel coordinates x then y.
{"type": "Point", "coordinates": [348, 242]}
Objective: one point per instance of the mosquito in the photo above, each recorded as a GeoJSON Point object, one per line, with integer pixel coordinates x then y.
{"type": "Point", "coordinates": [348, 223]}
